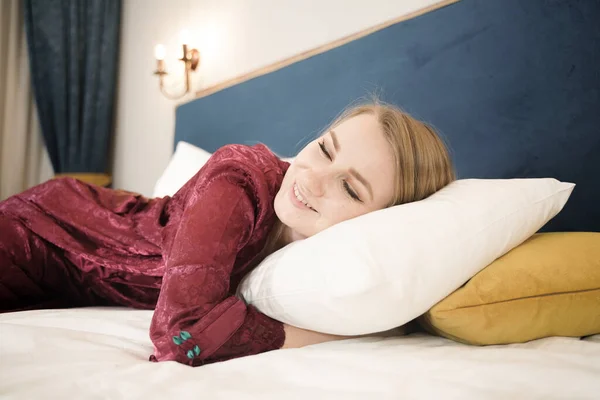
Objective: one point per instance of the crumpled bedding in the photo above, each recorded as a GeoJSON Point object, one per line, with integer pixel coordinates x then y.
{"type": "Point", "coordinates": [102, 353]}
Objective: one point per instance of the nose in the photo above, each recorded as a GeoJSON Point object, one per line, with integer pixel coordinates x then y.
{"type": "Point", "coordinates": [315, 181]}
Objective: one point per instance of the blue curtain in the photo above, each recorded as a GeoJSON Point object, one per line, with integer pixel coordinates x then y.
{"type": "Point", "coordinates": [73, 50]}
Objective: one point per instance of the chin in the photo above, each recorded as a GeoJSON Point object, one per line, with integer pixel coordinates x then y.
{"type": "Point", "coordinates": [291, 217]}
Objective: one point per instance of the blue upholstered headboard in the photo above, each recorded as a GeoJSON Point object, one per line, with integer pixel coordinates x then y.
{"type": "Point", "coordinates": [513, 85]}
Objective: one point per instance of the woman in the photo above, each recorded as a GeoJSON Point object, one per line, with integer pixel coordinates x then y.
{"type": "Point", "coordinates": [68, 244]}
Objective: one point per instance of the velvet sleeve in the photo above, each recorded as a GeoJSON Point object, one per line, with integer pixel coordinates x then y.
{"type": "Point", "coordinates": [196, 320]}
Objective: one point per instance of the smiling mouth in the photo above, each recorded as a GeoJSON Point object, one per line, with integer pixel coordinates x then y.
{"type": "Point", "coordinates": [301, 199]}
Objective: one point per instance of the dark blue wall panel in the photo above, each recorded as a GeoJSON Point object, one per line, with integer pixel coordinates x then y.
{"type": "Point", "coordinates": [513, 85]}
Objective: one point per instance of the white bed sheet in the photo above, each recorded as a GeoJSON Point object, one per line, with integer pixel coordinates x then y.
{"type": "Point", "coordinates": [101, 353]}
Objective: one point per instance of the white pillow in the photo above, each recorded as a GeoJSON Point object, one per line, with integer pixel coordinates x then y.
{"type": "Point", "coordinates": [383, 269]}
{"type": "Point", "coordinates": [185, 162]}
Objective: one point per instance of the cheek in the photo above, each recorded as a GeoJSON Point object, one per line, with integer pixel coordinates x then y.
{"type": "Point", "coordinates": [282, 204]}
{"type": "Point", "coordinates": [288, 180]}
{"type": "Point", "coordinates": [341, 210]}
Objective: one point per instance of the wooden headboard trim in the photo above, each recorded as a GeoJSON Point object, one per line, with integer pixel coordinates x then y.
{"type": "Point", "coordinates": [318, 50]}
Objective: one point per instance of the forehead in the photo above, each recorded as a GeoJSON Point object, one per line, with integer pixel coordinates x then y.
{"type": "Point", "coordinates": [364, 147]}
{"type": "Point", "coordinates": [360, 127]}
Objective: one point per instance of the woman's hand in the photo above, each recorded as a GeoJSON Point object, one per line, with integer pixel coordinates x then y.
{"type": "Point", "coordinates": [297, 337]}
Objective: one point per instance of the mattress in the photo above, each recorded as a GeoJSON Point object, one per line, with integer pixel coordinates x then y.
{"type": "Point", "coordinates": [102, 353]}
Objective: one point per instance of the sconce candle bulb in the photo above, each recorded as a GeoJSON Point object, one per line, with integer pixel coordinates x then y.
{"type": "Point", "coordinates": [190, 58]}
{"type": "Point", "coordinates": [160, 52]}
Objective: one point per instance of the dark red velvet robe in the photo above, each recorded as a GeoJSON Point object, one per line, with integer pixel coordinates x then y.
{"type": "Point", "coordinates": [65, 244]}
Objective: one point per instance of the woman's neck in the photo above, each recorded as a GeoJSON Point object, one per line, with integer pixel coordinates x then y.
{"type": "Point", "coordinates": [289, 235]}
{"type": "Point", "coordinates": [281, 235]}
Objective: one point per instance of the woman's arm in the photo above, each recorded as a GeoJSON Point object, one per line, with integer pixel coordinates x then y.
{"type": "Point", "coordinates": [196, 320]}
{"type": "Point", "coordinates": [297, 337]}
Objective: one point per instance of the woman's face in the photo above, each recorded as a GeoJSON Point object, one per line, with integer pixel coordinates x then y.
{"type": "Point", "coordinates": [345, 173]}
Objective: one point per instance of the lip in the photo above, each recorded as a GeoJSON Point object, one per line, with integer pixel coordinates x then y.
{"type": "Point", "coordinates": [297, 203]}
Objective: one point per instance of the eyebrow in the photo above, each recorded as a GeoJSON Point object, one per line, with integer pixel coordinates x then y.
{"type": "Point", "coordinates": [336, 143]}
{"type": "Point", "coordinates": [353, 172]}
{"type": "Point", "coordinates": [362, 180]}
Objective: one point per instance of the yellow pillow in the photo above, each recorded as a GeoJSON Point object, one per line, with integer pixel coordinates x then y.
{"type": "Point", "coordinates": [547, 286]}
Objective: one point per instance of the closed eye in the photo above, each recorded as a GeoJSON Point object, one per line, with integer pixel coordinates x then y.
{"type": "Point", "coordinates": [351, 192]}
{"type": "Point", "coordinates": [324, 150]}
{"type": "Point", "coordinates": [345, 184]}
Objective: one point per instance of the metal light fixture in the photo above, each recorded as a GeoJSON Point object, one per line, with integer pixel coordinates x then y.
{"type": "Point", "coordinates": [190, 58]}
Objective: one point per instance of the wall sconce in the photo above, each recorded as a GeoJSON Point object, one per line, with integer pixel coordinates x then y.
{"type": "Point", "coordinates": [190, 58]}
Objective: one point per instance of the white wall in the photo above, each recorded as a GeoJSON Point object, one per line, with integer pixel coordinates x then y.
{"type": "Point", "coordinates": [234, 37]}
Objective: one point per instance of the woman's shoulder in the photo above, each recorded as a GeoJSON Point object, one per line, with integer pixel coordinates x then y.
{"type": "Point", "coordinates": [257, 157]}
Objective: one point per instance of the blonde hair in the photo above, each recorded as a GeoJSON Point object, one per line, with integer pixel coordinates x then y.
{"type": "Point", "coordinates": [423, 164]}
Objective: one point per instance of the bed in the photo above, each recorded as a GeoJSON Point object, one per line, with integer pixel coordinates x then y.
{"type": "Point", "coordinates": [101, 353]}
{"type": "Point", "coordinates": [515, 89]}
